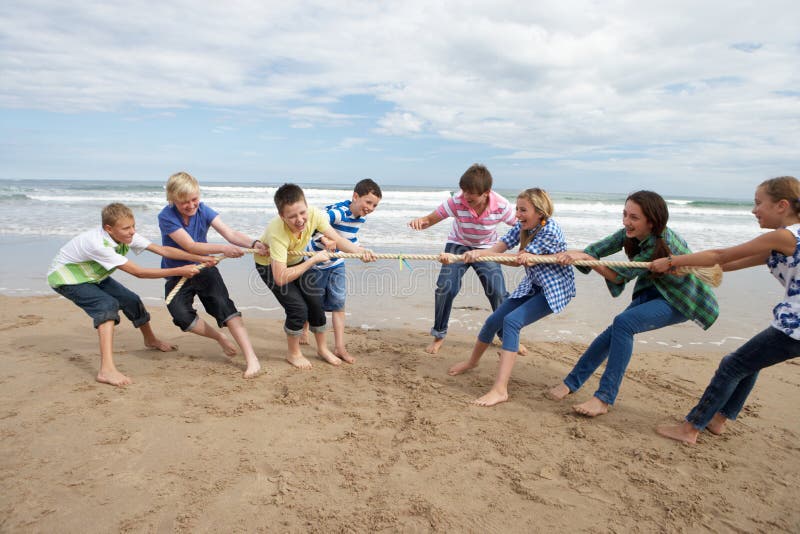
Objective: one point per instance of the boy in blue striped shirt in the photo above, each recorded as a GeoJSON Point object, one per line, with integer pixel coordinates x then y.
{"type": "Point", "coordinates": [346, 217]}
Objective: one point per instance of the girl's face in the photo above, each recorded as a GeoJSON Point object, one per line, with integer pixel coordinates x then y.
{"type": "Point", "coordinates": [187, 206]}
{"type": "Point", "coordinates": [635, 223]}
{"type": "Point", "coordinates": [527, 215]}
{"type": "Point", "coordinates": [766, 210]}
{"type": "Point", "coordinates": [295, 216]}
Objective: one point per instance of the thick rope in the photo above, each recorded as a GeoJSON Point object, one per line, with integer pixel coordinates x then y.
{"type": "Point", "coordinates": [709, 275]}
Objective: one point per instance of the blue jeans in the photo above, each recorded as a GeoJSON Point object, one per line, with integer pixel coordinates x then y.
{"type": "Point", "coordinates": [647, 311]}
{"type": "Point", "coordinates": [103, 300]}
{"type": "Point", "coordinates": [449, 284]}
{"type": "Point", "coordinates": [737, 374]}
{"type": "Point", "coordinates": [331, 285]}
{"type": "Point", "coordinates": [512, 316]}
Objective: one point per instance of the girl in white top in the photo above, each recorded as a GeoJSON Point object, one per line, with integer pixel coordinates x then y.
{"type": "Point", "coordinates": [777, 206]}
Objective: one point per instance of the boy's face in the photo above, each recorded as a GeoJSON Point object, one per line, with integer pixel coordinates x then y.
{"type": "Point", "coordinates": [187, 205]}
{"type": "Point", "coordinates": [295, 216]}
{"type": "Point", "coordinates": [122, 231]}
{"type": "Point", "coordinates": [476, 201]}
{"type": "Point", "coordinates": [363, 205]}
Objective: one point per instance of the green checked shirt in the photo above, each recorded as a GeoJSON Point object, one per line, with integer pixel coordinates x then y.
{"type": "Point", "coordinates": [687, 294]}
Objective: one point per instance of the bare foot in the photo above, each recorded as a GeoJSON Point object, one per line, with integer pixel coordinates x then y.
{"type": "Point", "coordinates": [227, 346]}
{"type": "Point", "coordinates": [329, 357]}
{"type": "Point", "coordinates": [591, 408]}
{"type": "Point", "coordinates": [113, 377]}
{"type": "Point", "coordinates": [435, 345]}
{"type": "Point", "coordinates": [558, 392]}
{"type": "Point", "coordinates": [253, 369]}
{"type": "Point", "coordinates": [523, 350]}
{"type": "Point", "coordinates": [299, 361]}
{"type": "Point", "coordinates": [157, 344]}
{"type": "Point", "coordinates": [460, 367]}
{"type": "Point", "coordinates": [344, 355]}
{"type": "Point", "coordinates": [717, 424]}
{"type": "Point", "coordinates": [684, 432]}
{"type": "Point", "coordinates": [491, 398]}
{"type": "Point", "coordinates": [304, 338]}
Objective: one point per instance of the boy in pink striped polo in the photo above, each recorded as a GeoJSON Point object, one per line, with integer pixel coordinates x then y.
{"type": "Point", "coordinates": [476, 212]}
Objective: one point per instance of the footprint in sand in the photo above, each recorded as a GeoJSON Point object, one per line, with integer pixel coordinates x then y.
{"type": "Point", "coordinates": [21, 321]}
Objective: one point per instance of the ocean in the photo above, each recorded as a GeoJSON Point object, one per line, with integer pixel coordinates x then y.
{"type": "Point", "coordinates": [40, 216]}
{"type": "Point", "coordinates": [65, 208]}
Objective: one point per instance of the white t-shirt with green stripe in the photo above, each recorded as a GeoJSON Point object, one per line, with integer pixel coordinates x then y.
{"type": "Point", "coordinates": [91, 257]}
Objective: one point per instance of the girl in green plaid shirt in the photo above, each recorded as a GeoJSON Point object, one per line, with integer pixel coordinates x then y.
{"type": "Point", "coordinates": [659, 300]}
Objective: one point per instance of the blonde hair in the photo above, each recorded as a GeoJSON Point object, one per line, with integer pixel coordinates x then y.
{"type": "Point", "coordinates": [180, 185]}
{"type": "Point", "coordinates": [783, 188]}
{"type": "Point", "coordinates": [114, 212]}
{"type": "Point", "coordinates": [543, 205]}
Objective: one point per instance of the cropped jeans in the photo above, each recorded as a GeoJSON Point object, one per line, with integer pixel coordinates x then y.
{"type": "Point", "coordinates": [449, 284]}
{"type": "Point", "coordinates": [512, 316]}
{"type": "Point", "coordinates": [647, 311]}
{"type": "Point", "coordinates": [737, 374]}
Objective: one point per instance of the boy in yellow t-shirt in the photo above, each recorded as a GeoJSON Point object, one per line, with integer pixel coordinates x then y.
{"type": "Point", "coordinates": [288, 276]}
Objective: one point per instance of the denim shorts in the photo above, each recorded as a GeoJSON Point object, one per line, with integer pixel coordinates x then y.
{"type": "Point", "coordinates": [332, 286]}
{"type": "Point", "coordinates": [103, 300]}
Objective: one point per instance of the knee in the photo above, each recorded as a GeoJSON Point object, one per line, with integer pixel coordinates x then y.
{"type": "Point", "coordinates": [511, 324]}
{"type": "Point", "coordinates": [622, 323]}
{"type": "Point", "coordinates": [182, 317]}
{"type": "Point", "coordinates": [296, 315]}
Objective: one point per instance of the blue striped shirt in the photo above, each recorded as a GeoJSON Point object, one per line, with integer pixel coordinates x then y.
{"type": "Point", "coordinates": [557, 282]}
{"type": "Point", "coordinates": [345, 224]}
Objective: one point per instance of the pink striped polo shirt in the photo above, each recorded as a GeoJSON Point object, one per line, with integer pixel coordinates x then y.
{"type": "Point", "coordinates": [473, 230]}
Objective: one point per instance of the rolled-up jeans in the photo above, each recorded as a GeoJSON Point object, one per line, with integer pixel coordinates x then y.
{"type": "Point", "coordinates": [299, 298]}
{"type": "Point", "coordinates": [449, 284]}
{"type": "Point", "coordinates": [647, 311]}
{"type": "Point", "coordinates": [737, 374]}
{"type": "Point", "coordinates": [512, 316]}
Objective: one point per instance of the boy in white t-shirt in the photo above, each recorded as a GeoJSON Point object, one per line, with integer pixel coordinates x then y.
{"type": "Point", "coordinates": [81, 272]}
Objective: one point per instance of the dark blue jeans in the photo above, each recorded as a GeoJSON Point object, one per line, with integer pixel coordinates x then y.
{"type": "Point", "coordinates": [737, 374]}
{"type": "Point", "coordinates": [210, 288]}
{"type": "Point", "coordinates": [449, 284]}
{"type": "Point", "coordinates": [512, 316]}
{"type": "Point", "coordinates": [103, 300]}
{"type": "Point", "coordinates": [647, 311]}
{"type": "Point", "coordinates": [300, 298]}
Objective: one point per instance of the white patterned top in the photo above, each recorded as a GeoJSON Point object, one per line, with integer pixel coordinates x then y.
{"type": "Point", "coordinates": [787, 270]}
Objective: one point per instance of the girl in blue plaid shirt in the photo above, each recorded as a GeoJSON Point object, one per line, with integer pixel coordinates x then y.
{"type": "Point", "coordinates": [546, 288]}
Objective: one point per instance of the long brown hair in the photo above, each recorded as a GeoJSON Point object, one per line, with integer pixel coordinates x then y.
{"type": "Point", "coordinates": [654, 209]}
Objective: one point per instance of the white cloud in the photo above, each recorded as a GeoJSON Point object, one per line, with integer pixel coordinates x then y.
{"type": "Point", "coordinates": [554, 79]}
{"type": "Point", "coordinates": [397, 123]}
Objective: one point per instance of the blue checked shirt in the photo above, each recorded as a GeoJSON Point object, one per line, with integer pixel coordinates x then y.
{"type": "Point", "coordinates": [557, 282]}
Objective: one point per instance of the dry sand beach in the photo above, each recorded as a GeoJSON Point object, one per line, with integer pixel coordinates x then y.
{"type": "Point", "coordinates": [388, 444]}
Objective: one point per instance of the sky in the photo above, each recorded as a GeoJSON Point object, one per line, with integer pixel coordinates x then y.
{"type": "Point", "coordinates": [682, 97]}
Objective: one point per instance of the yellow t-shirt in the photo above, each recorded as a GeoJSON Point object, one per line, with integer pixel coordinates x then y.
{"type": "Point", "coordinates": [281, 239]}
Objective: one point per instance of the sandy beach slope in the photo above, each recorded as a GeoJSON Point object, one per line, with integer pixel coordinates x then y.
{"type": "Point", "coordinates": [388, 444]}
